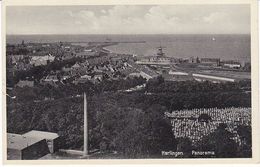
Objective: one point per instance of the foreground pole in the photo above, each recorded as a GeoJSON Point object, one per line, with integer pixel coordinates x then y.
{"type": "Point", "coordinates": [85, 151]}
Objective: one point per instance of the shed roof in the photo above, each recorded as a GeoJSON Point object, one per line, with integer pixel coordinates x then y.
{"type": "Point", "coordinates": [19, 142]}
{"type": "Point", "coordinates": [41, 134]}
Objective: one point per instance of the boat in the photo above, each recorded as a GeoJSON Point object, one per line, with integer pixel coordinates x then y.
{"type": "Point", "coordinates": [159, 59]}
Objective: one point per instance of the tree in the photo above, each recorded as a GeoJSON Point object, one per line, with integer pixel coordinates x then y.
{"type": "Point", "coordinates": [245, 135]}
{"type": "Point", "coordinates": [146, 134]}
{"type": "Point", "coordinates": [221, 142]}
{"type": "Point", "coordinates": [185, 146]}
{"type": "Point", "coordinates": [204, 118]}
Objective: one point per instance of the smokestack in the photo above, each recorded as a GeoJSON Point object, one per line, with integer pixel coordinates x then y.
{"type": "Point", "coordinates": [85, 152]}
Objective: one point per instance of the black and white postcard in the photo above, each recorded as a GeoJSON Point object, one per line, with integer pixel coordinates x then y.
{"type": "Point", "coordinates": [130, 81]}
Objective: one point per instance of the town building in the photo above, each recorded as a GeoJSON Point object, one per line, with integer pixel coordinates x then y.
{"type": "Point", "coordinates": [22, 66]}
{"type": "Point", "coordinates": [210, 61]}
{"type": "Point", "coordinates": [17, 58]}
{"type": "Point", "coordinates": [82, 79]}
{"type": "Point", "coordinates": [145, 74]}
{"type": "Point", "coordinates": [98, 77]}
{"type": "Point", "coordinates": [206, 77]}
{"type": "Point", "coordinates": [41, 60]}
{"type": "Point", "coordinates": [25, 83]}
{"type": "Point", "coordinates": [175, 75]}
{"type": "Point", "coordinates": [171, 72]}
{"type": "Point", "coordinates": [86, 54]}
{"type": "Point", "coordinates": [231, 64]}
{"type": "Point", "coordinates": [76, 66]}
{"type": "Point", "coordinates": [51, 79]}
{"type": "Point", "coordinates": [53, 139]}
{"type": "Point", "coordinates": [20, 147]}
{"type": "Point", "coordinates": [194, 60]}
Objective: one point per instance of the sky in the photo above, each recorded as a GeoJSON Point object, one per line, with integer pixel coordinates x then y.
{"type": "Point", "coordinates": [130, 19]}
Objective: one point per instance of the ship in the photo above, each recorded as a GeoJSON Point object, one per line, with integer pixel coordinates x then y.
{"type": "Point", "coordinates": [159, 59]}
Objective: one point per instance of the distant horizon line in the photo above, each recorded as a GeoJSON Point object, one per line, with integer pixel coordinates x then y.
{"type": "Point", "coordinates": [140, 34]}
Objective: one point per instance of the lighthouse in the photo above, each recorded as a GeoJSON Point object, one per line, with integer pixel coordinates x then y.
{"type": "Point", "coordinates": [85, 151]}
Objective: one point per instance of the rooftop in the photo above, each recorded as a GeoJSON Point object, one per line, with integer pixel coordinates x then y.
{"type": "Point", "coordinates": [19, 142]}
{"type": "Point", "coordinates": [41, 134]}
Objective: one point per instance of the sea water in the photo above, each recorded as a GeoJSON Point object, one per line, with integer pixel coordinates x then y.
{"type": "Point", "coordinates": [226, 47]}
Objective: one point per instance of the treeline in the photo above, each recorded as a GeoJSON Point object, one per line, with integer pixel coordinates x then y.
{"type": "Point", "coordinates": [179, 101]}
{"type": "Point", "coordinates": [174, 96]}
{"type": "Point", "coordinates": [158, 85]}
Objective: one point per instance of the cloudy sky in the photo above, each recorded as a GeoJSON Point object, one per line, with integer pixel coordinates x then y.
{"type": "Point", "coordinates": [139, 19]}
